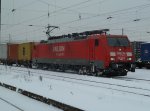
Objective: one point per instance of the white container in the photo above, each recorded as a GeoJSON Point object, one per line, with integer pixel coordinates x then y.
{"type": "Point", "coordinates": [3, 51]}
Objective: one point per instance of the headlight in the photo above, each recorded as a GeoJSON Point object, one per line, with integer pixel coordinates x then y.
{"type": "Point", "coordinates": [129, 58]}
{"type": "Point", "coordinates": [112, 59]}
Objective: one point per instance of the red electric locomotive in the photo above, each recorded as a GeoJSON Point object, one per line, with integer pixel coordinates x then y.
{"type": "Point", "coordinates": [90, 52]}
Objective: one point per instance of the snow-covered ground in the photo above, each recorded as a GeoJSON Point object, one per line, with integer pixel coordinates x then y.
{"type": "Point", "coordinates": [12, 101]}
{"type": "Point", "coordinates": [84, 92]}
{"type": "Point", "coordinates": [140, 74]}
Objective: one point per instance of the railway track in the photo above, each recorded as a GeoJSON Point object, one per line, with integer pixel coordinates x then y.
{"type": "Point", "coordinates": [37, 97]}
{"type": "Point", "coordinates": [117, 77]}
{"type": "Point", "coordinates": [11, 104]}
{"type": "Point", "coordinates": [131, 79]}
{"type": "Point", "coordinates": [107, 85]}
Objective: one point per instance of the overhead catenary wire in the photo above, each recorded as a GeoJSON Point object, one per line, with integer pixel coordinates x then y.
{"type": "Point", "coordinates": [77, 19]}
{"type": "Point", "coordinates": [48, 12]}
{"type": "Point", "coordinates": [53, 11]}
{"type": "Point", "coordinates": [22, 6]}
{"type": "Point", "coordinates": [107, 13]}
{"type": "Point", "coordinates": [86, 18]}
{"type": "Point", "coordinates": [90, 16]}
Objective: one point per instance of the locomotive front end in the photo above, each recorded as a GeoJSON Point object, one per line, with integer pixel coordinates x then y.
{"type": "Point", "coordinates": [121, 58]}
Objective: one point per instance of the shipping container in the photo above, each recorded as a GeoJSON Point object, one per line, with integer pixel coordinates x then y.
{"type": "Point", "coordinates": [136, 46]}
{"type": "Point", "coordinates": [3, 54]}
{"type": "Point", "coordinates": [145, 52]}
{"type": "Point", "coordinates": [13, 53]}
{"type": "Point", "coordinates": [25, 52]}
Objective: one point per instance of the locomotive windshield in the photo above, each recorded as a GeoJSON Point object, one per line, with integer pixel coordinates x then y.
{"type": "Point", "coordinates": [118, 41]}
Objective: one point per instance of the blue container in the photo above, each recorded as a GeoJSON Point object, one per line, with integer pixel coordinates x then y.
{"type": "Point", "coordinates": [136, 45]}
{"type": "Point", "coordinates": [145, 52]}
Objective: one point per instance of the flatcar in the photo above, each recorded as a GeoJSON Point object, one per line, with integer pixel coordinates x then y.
{"type": "Point", "coordinates": [90, 52]}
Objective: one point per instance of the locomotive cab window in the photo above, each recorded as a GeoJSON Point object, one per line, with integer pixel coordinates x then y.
{"type": "Point", "coordinates": [118, 41]}
{"type": "Point", "coordinates": [96, 42]}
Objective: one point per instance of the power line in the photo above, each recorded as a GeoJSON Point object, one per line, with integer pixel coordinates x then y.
{"type": "Point", "coordinates": [25, 21]}
{"type": "Point", "coordinates": [22, 6]}
{"type": "Point", "coordinates": [103, 14]}
{"type": "Point", "coordinates": [64, 8]}
{"type": "Point", "coordinates": [53, 11]}
{"type": "Point", "coordinates": [118, 12]}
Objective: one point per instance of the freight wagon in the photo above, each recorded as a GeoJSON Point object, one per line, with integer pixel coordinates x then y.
{"type": "Point", "coordinates": [90, 52]}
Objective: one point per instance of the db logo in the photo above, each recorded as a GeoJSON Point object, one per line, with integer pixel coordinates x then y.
{"type": "Point", "coordinates": [58, 48]}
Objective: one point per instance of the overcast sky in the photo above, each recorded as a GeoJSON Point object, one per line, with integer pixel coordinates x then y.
{"type": "Point", "coordinates": [74, 16]}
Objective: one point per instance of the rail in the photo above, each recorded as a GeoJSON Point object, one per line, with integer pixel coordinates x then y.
{"type": "Point", "coordinates": [43, 99]}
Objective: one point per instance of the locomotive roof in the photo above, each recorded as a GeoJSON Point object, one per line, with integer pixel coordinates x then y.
{"type": "Point", "coordinates": [75, 36]}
